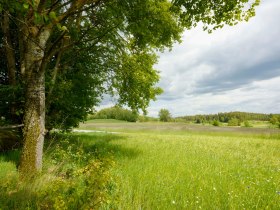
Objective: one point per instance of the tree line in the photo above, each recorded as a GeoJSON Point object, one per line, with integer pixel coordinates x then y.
{"type": "Point", "coordinates": [116, 113]}
{"type": "Point", "coordinates": [231, 116]}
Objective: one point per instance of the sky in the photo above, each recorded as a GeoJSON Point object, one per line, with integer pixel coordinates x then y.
{"type": "Point", "coordinates": [233, 69]}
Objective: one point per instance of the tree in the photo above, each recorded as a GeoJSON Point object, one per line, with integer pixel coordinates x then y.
{"type": "Point", "coordinates": [247, 124]}
{"type": "Point", "coordinates": [117, 113]}
{"type": "Point", "coordinates": [43, 38]}
{"type": "Point", "coordinates": [234, 122]}
{"type": "Point", "coordinates": [164, 115]}
{"type": "Point", "coordinates": [216, 123]}
{"type": "Point", "coordinates": [273, 120]}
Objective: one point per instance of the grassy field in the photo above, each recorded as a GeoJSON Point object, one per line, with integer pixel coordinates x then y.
{"type": "Point", "coordinates": [151, 166]}
{"type": "Point", "coordinates": [179, 166]}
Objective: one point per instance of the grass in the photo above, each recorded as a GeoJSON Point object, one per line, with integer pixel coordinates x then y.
{"type": "Point", "coordinates": [76, 175]}
{"type": "Point", "coordinates": [192, 172]}
{"type": "Point", "coordinates": [169, 167]}
{"type": "Point", "coordinates": [160, 166]}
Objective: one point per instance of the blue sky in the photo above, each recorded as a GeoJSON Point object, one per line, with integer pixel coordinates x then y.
{"type": "Point", "coordinates": [233, 69]}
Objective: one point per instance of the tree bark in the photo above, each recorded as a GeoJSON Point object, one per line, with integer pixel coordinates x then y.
{"type": "Point", "coordinates": [34, 116]}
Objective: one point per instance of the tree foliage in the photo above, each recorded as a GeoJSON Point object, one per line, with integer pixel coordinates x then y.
{"type": "Point", "coordinates": [234, 122]}
{"type": "Point", "coordinates": [66, 54]}
{"type": "Point", "coordinates": [117, 113]}
{"type": "Point", "coordinates": [216, 123]}
{"type": "Point", "coordinates": [226, 117]}
{"type": "Point", "coordinates": [164, 115]}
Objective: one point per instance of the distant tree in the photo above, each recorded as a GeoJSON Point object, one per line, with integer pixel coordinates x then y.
{"type": "Point", "coordinates": [225, 117]}
{"type": "Point", "coordinates": [234, 122]}
{"type": "Point", "coordinates": [273, 120]}
{"type": "Point", "coordinates": [247, 124]}
{"type": "Point", "coordinates": [198, 121]}
{"type": "Point", "coordinates": [216, 123]}
{"type": "Point", "coordinates": [164, 115]}
{"type": "Point", "coordinates": [117, 113]}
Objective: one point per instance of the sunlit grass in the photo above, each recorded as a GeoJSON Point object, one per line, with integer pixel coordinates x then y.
{"type": "Point", "coordinates": [158, 166]}
{"type": "Point", "coordinates": [175, 168]}
{"type": "Point", "coordinates": [192, 171]}
{"type": "Point", "coordinates": [75, 175]}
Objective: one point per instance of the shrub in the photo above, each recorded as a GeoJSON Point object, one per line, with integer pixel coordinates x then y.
{"type": "Point", "coordinates": [164, 115]}
{"type": "Point", "coordinates": [10, 139]}
{"type": "Point", "coordinates": [247, 124]}
{"type": "Point", "coordinates": [198, 121]}
{"type": "Point", "coordinates": [117, 113]}
{"type": "Point", "coordinates": [72, 178]}
{"type": "Point", "coordinates": [216, 123]}
{"type": "Point", "coordinates": [234, 122]}
{"type": "Point", "coordinates": [274, 120]}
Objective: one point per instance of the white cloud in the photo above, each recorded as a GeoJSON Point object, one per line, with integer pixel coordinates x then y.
{"type": "Point", "coordinates": [261, 96]}
{"type": "Point", "coordinates": [235, 68]}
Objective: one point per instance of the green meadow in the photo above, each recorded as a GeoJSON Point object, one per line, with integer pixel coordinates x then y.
{"type": "Point", "coordinates": [179, 166]}
{"type": "Point", "coordinates": [155, 166]}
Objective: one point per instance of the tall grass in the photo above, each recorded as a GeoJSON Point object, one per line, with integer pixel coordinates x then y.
{"type": "Point", "coordinates": [155, 168]}
{"type": "Point", "coordinates": [198, 172]}
{"type": "Point", "coordinates": [171, 167]}
{"type": "Point", "coordinates": [75, 176]}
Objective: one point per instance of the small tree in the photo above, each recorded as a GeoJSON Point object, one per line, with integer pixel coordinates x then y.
{"type": "Point", "coordinates": [234, 122]}
{"type": "Point", "coordinates": [247, 124]}
{"type": "Point", "coordinates": [164, 115]}
{"type": "Point", "coordinates": [273, 120]}
{"type": "Point", "coordinates": [216, 123]}
{"type": "Point", "coordinates": [198, 121]}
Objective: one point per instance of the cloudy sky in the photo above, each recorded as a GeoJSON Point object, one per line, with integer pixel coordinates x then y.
{"type": "Point", "coordinates": [233, 69]}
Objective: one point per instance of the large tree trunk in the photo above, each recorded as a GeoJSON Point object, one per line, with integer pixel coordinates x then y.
{"type": "Point", "coordinates": [34, 124]}
{"type": "Point", "coordinates": [34, 116]}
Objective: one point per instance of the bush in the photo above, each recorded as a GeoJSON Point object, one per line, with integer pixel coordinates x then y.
{"type": "Point", "coordinates": [117, 113]}
{"type": "Point", "coordinates": [234, 122]}
{"type": "Point", "coordinates": [164, 115]}
{"type": "Point", "coordinates": [72, 178]}
{"type": "Point", "coordinates": [247, 124]}
{"type": "Point", "coordinates": [216, 123]}
{"type": "Point", "coordinates": [274, 120]}
{"type": "Point", "coordinates": [10, 139]}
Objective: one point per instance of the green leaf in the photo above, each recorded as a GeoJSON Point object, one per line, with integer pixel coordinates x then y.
{"type": "Point", "coordinates": [52, 15]}
{"type": "Point", "coordinates": [46, 18]}
{"type": "Point", "coordinates": [25, 6]}
{"type": "Point", "coordinates": [64, 28]}
{"type": "Point", "coordinates": [38, 18]}
{"type": "Point", "coordinates": [58, 26]}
